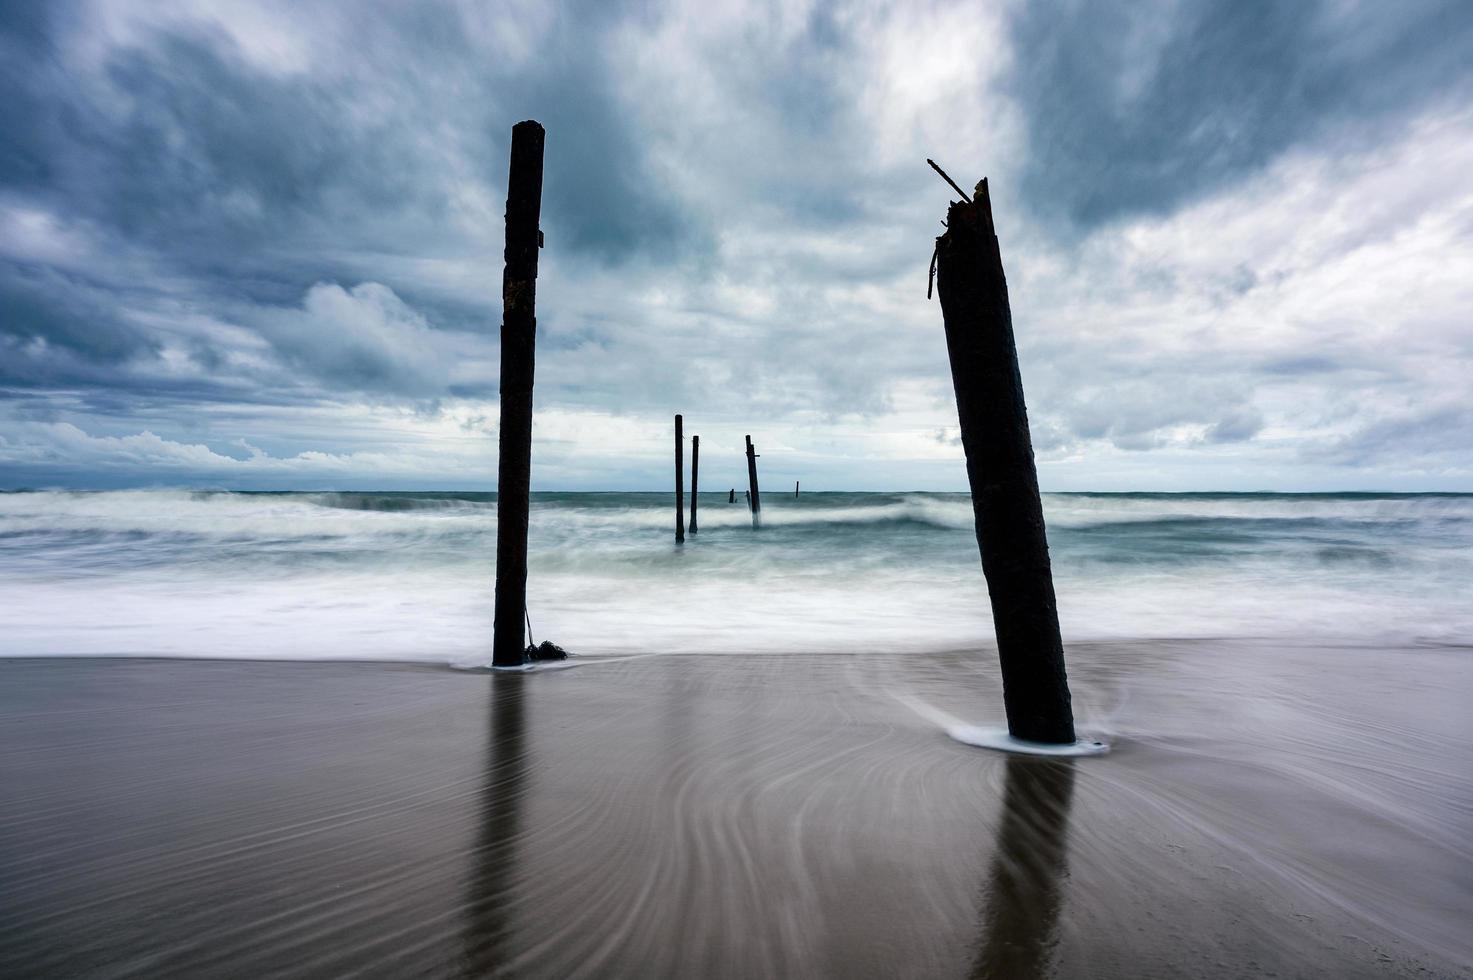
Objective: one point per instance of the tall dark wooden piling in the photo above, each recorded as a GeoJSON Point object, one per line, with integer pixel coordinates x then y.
{"type": "Point", "coordinates": [1005, 500]}
{"type": "Point", "coordinates": [754, 499]}
{"type": "Point", "coordinates": [679, 482]}
{"type": "Point", "coordinates": [695, 476]}
{"type": "Point", "coordinates": [518, 354]}
{"type": "Point", "coordinates": [795, 487]}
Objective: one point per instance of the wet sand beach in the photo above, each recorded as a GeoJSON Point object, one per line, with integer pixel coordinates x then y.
{"type": "Point", "coordinates": [1266, 810]}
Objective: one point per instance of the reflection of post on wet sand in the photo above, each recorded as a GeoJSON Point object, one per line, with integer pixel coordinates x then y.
{"type": "Point", "coordinates": [1022, 897]}
{"type": "Point", "coordinates": [490, 902]}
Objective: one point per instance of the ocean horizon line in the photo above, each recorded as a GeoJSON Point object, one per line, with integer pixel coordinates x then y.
{"type": "Point", "coordinates": [776, 492]}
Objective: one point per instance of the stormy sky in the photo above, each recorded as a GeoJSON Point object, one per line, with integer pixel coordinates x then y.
{"type": "Point", "coordinates": [258, 244]}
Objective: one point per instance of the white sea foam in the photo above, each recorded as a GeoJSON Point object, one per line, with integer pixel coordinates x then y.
{"type": "Point", "coordinates": [409, 576]}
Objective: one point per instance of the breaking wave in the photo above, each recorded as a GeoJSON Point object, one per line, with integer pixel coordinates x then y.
{"type": "Point", "coordinates": [409, 575]}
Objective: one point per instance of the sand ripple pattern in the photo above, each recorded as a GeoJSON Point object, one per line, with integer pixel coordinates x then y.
{"type": "Point", "coordinates": [735, 816]}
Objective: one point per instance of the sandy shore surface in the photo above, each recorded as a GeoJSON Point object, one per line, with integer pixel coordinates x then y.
{"type": "Point", "coordinates": [1265, 811]}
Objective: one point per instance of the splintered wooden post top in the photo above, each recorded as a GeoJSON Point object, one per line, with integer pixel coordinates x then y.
{"type": "Point", "coordinates": [982, 201]}
{"type": "Point", "coordinates": [975, 216]}
{"type": "Point", "coordinates": [977, 211]}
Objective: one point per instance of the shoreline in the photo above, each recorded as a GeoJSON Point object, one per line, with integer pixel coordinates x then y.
{"type": "Point", "coordinates": [982, 648]}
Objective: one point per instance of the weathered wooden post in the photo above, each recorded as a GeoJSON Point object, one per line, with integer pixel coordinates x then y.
{"type": "Point", "coordinates": [1000, 468]}
{"type": "Point", "coordinates": [695, 476]}
{"type": "Point", "coordinates": [754, 499]}
{"type": "Point", "coordinates": [679, 482]}
{"type": "Point", "coordinates": [731, 497]}
{"type": "Point", "coordinates": [795, 487]}
{"type": "Point", "coordinates": [518, 350]}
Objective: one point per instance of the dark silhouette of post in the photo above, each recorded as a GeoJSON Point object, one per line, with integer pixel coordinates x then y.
{"type": "Point", "coordinates": [695, 476]}
{"type": "Point", "coordinates": [731, 497]}
{"type": "Point", "coordinates": [1000, 468]}
{"type": "Point", "coordinates": [795, 487]}
{"type": "Point", "coordinates": [679, 482]}
{"type": "Point", "coordinates": [754, 499]}
{"type": "Point", "coordinates": [518, 350]}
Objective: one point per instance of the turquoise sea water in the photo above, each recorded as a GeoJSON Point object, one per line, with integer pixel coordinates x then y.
{"type": "Point", "coordinates": [409, 575]}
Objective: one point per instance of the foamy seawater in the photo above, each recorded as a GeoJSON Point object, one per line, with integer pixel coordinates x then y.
{"type": "Point", "coordinates": [410, 575]}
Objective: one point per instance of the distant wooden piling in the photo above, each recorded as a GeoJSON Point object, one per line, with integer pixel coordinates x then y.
{"type": "Point", "coordinates": [695, 475]}
{"type": "Point", "coordinates": [731, 497]}
{"type": "Point", "coordinates": [795, 488]}
{"type": "Point", "coordinates": [754, 498]}
{"type": "Point", "coordinates": [518, 357]}
{"type": "Point", "coordinates": [1000, 468]}
{"type": "Point", "coordinates": [679, 482]}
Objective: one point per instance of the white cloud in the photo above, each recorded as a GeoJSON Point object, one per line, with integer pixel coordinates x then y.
{"type": "Point", "coordinates": [1319, 302]}
{"type": "Point", "coordinates": [64, 444]}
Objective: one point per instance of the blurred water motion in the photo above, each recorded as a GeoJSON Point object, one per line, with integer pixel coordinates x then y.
{"type": "Point", "coordinates": [409, 576]}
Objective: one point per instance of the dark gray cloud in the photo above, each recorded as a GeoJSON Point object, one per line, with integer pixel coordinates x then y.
{"type": "Point", "coordinates": [252, 180]}
{"type": "Point", "coordinates": [25, 44]}
{"type": "Point", "coordinates": [1436, 435]}
{"type": "Point", "coordinates": [51, 321]}
{"type": "Point", "coordinates": [247, 187]}
{"type": "Point", "coordinates": [1138, 107]}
